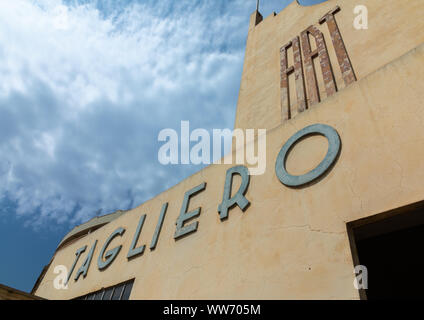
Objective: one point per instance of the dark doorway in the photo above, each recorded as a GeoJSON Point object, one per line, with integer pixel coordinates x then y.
{"type": "Point", "coordinates": [390, 246]}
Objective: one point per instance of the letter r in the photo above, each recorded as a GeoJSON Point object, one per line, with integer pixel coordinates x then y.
{"type": "Point", "coordinates": [238, 199]}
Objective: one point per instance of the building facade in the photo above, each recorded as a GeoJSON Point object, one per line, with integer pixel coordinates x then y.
{"type": "Point", "coordinates": [343, 109]}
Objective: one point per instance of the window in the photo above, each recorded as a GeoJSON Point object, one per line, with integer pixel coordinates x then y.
{"type": "Point", "coordinates": [121, 291]}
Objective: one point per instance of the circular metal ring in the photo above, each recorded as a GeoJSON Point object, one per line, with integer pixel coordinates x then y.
{"type": "Point", "coordinates": [333, 150]}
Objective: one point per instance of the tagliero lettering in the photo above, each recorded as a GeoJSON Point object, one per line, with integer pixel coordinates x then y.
{"type": "Point", "coordinates": [230, 200]}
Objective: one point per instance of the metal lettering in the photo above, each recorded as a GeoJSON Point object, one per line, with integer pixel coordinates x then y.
{"type": "Point", "coordinates": [185, 216]}
{"type": "Point", "coordinates": [238, 199]}
{"type": "Point", "coordinates": [111, 254]}
{"type": "Point", "coordinates": [84, 268]}
{"type": "Point", "coordinates": [159, 227]}
{"type": "Point", "coordinates": [77, 254]}
{"type": "Point", "coordinates": [133, 252]}
{"type": "Point", "coordinates": [333, 150]}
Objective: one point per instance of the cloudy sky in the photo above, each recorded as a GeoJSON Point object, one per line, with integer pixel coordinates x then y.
{"type": "Point", "coordinates": [85, 88]}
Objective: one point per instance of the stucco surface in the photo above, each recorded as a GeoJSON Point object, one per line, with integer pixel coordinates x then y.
{"type": "Point", "coordinates": [394, 28]}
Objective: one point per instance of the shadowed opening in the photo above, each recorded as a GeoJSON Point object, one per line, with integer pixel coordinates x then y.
{"type": "Point", "coordinates": [389, 245]}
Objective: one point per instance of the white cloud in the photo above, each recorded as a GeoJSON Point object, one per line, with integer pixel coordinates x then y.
{"type": "Point", "coordinates": [86, 86]}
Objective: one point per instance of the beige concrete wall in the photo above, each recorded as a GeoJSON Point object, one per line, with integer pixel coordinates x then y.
{"type": "Point", "coordinates": [395, 27]}
{"type": "Point", "coordinates": [290, 243]}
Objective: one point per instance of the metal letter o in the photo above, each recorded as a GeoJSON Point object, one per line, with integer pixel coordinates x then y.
{"type": "Point", "coordinates": [333, 150]}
